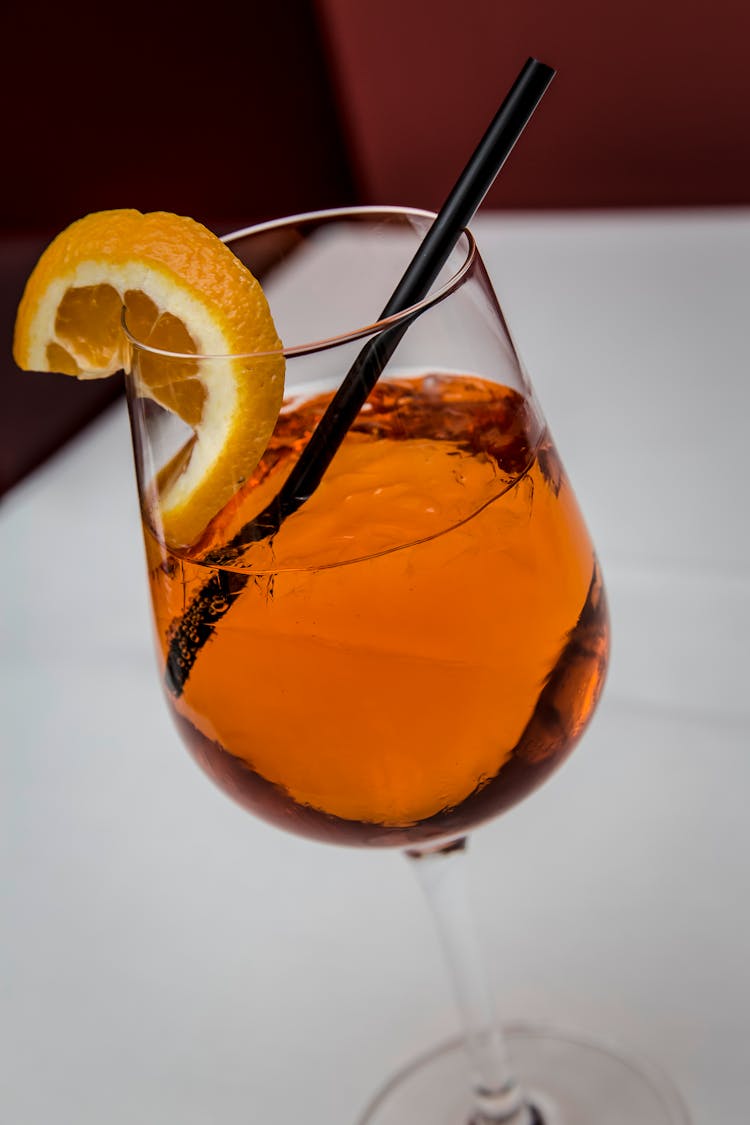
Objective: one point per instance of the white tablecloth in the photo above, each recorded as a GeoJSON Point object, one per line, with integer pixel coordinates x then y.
{"type": "Point", "coordinates": [168, 959]}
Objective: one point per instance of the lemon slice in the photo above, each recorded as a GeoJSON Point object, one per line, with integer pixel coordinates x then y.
{"type": "Point", "coordinates": [184, 291]}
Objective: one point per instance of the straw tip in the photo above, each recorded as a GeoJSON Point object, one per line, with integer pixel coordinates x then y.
{"type": "Point", "coordinates": [541, 67]}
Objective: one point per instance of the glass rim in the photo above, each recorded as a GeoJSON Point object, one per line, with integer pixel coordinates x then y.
{"type": "Point", "coordinates": [308, 217]}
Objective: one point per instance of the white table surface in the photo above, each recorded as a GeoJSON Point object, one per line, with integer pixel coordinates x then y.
{"type": "Point", "coordinates": [167, 959]}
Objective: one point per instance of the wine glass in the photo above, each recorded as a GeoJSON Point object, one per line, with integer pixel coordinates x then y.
{"type": "Point", "coordinates": [418, 644]}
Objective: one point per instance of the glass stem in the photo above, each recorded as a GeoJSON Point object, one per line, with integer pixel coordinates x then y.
{"type": "Point", "coordinates": [496, 1094]}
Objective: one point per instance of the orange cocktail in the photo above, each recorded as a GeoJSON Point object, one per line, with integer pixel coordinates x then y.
{"type": "Point", "coordinates": [419, 644]}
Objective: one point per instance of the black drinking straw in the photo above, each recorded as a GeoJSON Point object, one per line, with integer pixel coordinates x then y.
{"type": "Point", "coordinates": [196, 626]}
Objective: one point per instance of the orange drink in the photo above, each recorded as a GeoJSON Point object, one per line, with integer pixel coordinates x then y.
{"type": "Point", "coordinates": [420, 644]}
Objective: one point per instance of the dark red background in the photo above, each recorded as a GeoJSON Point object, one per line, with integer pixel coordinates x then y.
{"type": "Point", "coordinates": [651, 105]}
{"type": "Point", "coordinates": [262, 109]}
